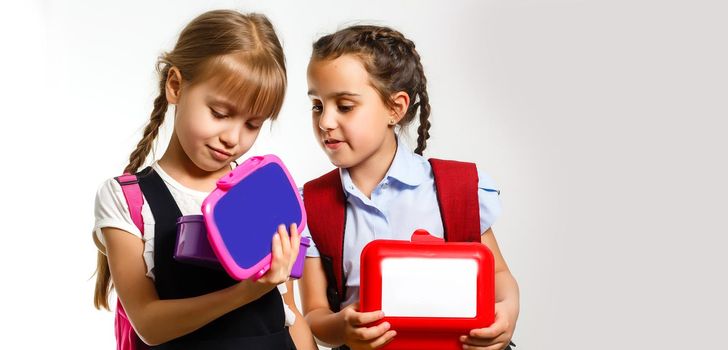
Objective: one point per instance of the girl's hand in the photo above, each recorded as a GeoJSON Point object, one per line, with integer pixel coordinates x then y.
{"type": "Point", "coordinates": [284, 254]}
{"type": "Point", "coordinates": [357, 336]}
{"type": "Point", "coordinates": [495, 337]}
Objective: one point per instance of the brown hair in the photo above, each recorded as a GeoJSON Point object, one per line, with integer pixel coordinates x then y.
{"type": "Point", "coordinates": [242, 54]}
{"type": "Point", "coordinates": [392, 62]}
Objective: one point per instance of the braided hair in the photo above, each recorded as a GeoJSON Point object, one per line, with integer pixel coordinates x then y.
{"type": "Point", "coordinates": [393, 64]}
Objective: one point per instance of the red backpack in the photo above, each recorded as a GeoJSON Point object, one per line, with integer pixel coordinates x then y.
{"type": "Point", "coordinates": [456, 184]}
{"type": "Point", "coordinates": [126, 336]}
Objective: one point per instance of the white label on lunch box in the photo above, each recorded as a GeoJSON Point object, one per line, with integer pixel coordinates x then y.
{"type": "Point", "coordinates": [429, 287]}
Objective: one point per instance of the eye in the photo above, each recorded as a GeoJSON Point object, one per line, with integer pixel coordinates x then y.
{"type": "Point", "coordinates": [345, 108]}
{"type": "Point", "coordinates": [217, 114]}
{"type": "Point", "coordinates": [317, 108]}
{"type": "Point", "coordinates": [253, 126]}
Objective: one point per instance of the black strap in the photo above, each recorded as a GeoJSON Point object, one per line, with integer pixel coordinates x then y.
{"type": "Point", "coordinates": [161, 202]}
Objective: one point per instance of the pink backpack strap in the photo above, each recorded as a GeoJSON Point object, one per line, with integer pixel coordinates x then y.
{"type": "Point", "coordinates": [126, 337]}
{"type": "Point", "coordinates": [134, 199]}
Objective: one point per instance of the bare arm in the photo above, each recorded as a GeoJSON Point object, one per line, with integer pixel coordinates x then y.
{"type": "Point", "coordinates": [506, 287]}
{"type": "Point", "coordinates": [347, 326]}
{"type": "Point", "coordinates": [498, 334]}
{"type": "Point", "coordinates": [300, 332]}
{"type": "Point", "coordinates": [158, 321]}
{"type": "Point", "coordinates": [326, 325]}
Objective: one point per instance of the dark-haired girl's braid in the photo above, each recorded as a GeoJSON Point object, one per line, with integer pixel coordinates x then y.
{"type": "Point", "coordinates": [420, 92]}
{"type": "Point", "coordinates": [139, 155]}
{"type": "Point", "coordinates": [423, 131]}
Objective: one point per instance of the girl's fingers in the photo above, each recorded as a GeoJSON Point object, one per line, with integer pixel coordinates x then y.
{"type": "Point", "coordinates": [503, 338]}
{"type": "Point", "coordinates": [372, 333]}
{"type": "Point", "coordinates": [295, 244]}
{"type": "Point", "coordinates": [285, 241]}
{"type": "Point", "coordinates": [362, 318]}
{"type": "Point", "coordinates": [276, 250]}
{"type": "Point", "coordinates": [384, 339]}
{"type": "Point", "coordinates": [496, 329]}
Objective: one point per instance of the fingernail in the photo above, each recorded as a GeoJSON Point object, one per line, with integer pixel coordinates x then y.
{"type": "Point", "coordinates": [386, 325]}
{"type": "Point", "coordinates": [281, 227]}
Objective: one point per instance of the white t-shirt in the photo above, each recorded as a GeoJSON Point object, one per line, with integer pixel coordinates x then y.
{"type": "Point", "coordinates": [111, 210]}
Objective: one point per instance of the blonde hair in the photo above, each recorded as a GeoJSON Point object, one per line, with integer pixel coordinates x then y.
{"type": "Point", "coordinates": [241, 53]}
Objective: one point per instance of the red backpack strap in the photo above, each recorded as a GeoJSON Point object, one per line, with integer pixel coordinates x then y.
{"type": "Point", "coordinates": [456, 184]}
{"type": "Point", "coordinates": [325, 204]}
{"type": "Point", "coordinates": [134, 199]}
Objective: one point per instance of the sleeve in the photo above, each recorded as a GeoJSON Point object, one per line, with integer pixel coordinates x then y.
{"type": "Point", "coordinates": [311, 251]}
{"type": "Point", "coordinates": [290, 315]}
{"type": "Point", "coordinates": [111, 210]}
{"type": "Point", "coordinates": [489, 201]}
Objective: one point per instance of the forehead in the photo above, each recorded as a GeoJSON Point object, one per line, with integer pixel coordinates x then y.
{"type": "Point", "coordinates": [211, 92]}
{"type": "Point", "coordinates": [342, 73]}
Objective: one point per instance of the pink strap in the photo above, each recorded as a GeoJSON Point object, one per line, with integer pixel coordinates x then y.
{"type": "Point", "coordinates": [126, 337]}
{"type": "Point", "coordinates": [134, 199]}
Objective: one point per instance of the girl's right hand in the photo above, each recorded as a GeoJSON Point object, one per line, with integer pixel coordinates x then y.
{"type": "Point", "coordinates": [284, 254]}
{"type": "Point", "coordinates": [357, 335]}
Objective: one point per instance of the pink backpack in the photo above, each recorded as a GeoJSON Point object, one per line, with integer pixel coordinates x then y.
{"type": "Point", "coordinates": [126, 337]}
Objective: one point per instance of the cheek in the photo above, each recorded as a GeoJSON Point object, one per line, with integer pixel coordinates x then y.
{"type": "Point", "coordinates": [367, 127]}
{"type": "Point", "coordinates": [247, 140]}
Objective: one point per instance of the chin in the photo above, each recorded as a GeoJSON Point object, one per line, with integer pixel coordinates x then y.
{"type": "Point", "coordinates": [340, 162]}
{"type": "Point", "coordinates": [211, 165]}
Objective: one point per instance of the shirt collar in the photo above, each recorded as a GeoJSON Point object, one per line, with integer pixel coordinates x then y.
{"type": "Point", "coordinates": [408, 167]}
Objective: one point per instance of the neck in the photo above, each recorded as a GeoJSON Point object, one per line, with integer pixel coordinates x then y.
{"type": "Point", "coordinates": [367, 174]}
{"type": "Point", "coordinates": [180, 167]}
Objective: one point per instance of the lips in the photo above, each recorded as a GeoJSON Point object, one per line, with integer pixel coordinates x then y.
{"type": "Point", "coordinates": [219, 154]}
{"type": "Point", "coordinates": [332, 143]}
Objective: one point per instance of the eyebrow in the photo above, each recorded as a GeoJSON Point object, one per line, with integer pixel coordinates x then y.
{"type": "Point", "coordinates": [334, 94]}
{"type": "Point", "coordinates": [223, 102]}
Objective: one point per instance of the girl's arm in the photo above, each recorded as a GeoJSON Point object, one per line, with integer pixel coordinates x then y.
{"type": "Point", "coordinates": [337, 328]}
{"type": "Point", "coordinates": [157, 321]}
{"type": "Point", "coordinates": [300, 332]}
{"type": "Point", "coordinates": [507, 303]}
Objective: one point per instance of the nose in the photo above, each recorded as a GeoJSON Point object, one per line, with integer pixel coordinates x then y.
{"type": "Point", "coordinates": [327, 121]}
{"type": "Point", "coordinates": [230, 136]}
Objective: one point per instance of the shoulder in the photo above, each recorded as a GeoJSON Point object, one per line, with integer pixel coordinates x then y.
{"type": "Point", "coordinates": [109, 191]}
{"type": "Point", "coordinates": [111, 209]}
{"type": "Point", "coordinates": [486, 182]}
{"type": "Point", "coordinates": [328, 181]}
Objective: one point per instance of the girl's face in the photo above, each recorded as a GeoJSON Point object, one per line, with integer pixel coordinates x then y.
{"type": "Point", "coordinates": [350, 121]}
{"type": "Point", "coordinates": [211, 130]}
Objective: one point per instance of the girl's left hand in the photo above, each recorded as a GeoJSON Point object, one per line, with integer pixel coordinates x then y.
{"type": "Point", "coordinates": [495, 337]}
{"type": "Point", "coordinates": [283, 255]}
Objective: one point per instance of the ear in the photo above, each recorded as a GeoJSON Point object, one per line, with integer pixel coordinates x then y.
{"type": "Point", "coordinates": [173, 85]}
{"type": "Point", "coordinates": [400, 103]}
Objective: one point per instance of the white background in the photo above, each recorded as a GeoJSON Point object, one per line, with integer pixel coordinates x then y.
{"type": "Point", "coordinates": [603, 122]}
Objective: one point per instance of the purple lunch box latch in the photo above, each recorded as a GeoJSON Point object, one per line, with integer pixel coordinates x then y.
{"type": "Point", "coordinates": [297, 269]}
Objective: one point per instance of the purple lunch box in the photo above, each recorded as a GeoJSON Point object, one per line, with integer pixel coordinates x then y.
{"type": "Point", "coordinates": [193, 246]}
